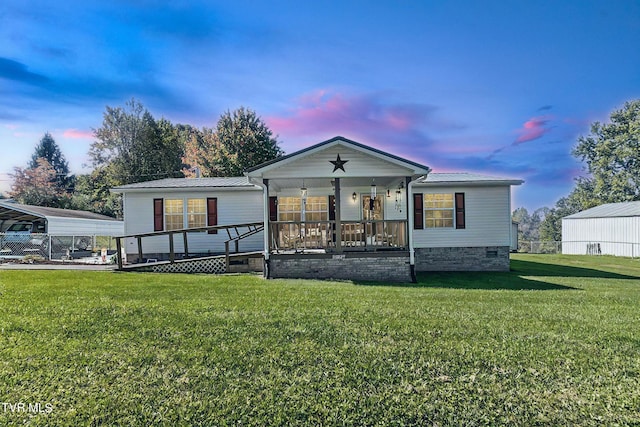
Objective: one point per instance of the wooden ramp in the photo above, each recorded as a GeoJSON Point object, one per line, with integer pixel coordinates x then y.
{"type": "Point", "coordinates": [215, 264]}
{"type": "Point", "coordinates": [221, 263]}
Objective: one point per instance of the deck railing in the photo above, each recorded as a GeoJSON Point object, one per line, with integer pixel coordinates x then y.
{"type": "Point", "coordinates": [356, 235]}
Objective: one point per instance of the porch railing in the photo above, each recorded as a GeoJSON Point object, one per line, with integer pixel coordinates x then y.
{"type": "Point", "coordinates": [356, 235]}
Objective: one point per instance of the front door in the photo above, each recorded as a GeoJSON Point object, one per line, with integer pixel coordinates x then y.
{"type": "Point", "coordinates": [372, 211]}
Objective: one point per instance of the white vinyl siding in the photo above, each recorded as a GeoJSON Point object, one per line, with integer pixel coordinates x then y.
{"type": "Point", "coordinates": [618, 236]}
{"type": "Point", "coordinates": [488, 219]}
{"type": "Point", "coordinates": [235, 206]}
{"type": "Point", "coordinates": [59, 226]}
{"type": "Point", "coordinates": [318, 164]}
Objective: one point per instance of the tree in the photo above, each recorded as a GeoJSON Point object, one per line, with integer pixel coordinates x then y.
{"type": "Point", "coordinates": [48, 149]}
{"type": "Point", "coordinates": [240, 140]}
{"type": "Point", "coordinates": [529, 224]}
{"type": "Point", "coordinates": [612, 155]}
{"type": "Point", "coordinates": [580, 198]}
{"type": "Point", "coordinates": [92, 194]}
{"type": "Point", "coordinates": [37, 186]}
{"type": "Point", "coordinates": [131, 146]}
{"type": "Point", "coordinates": [202, 152]}
{"type": "Point", "coordinates": [245, 141]}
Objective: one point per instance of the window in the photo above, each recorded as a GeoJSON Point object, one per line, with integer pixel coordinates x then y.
{"type": "Point", "coordinates": [176, 214]}
{"type": "Point", "coordinates": [289, 208]}
{"type": "Point", "coordinates": [438, 210]}
{"type": "Point", "coordinates": [317, 209]}
{"type": "Point", "coordinates": [196, 213]}
{"type": "Point", "coordinates": [173, 214]}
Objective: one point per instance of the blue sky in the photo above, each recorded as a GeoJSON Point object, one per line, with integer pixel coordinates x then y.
{"type": "Point", "coordinates": [496, 87]}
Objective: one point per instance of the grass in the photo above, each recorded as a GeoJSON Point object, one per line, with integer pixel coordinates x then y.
{"type": "Point", "coordinates": [554, 342]}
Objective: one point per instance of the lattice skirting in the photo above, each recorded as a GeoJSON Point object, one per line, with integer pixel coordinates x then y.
{"type": "Point", "coordinates": [209, 265]}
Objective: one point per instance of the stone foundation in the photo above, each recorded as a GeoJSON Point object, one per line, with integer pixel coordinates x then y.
{"type": "Point", "coordinates": [378, 267]}
{"type": "Point", "coordinates": [487, 258]}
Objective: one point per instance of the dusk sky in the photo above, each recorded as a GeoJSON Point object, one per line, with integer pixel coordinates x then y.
{"type": "Point", "coordinates": [503, 88]}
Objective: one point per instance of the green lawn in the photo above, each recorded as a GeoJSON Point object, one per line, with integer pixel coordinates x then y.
{"type": "Point", "coordinates": [556, 341]}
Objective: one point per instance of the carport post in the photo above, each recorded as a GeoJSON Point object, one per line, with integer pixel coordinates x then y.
{"type": "Point", "coordinates": [49, 237]}
{"type": "Point", "coordinates": [119, 253]}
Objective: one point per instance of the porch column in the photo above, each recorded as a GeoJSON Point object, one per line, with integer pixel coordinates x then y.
{"type": "Point", "coordinates": [412, 254]}
{"type": "Point", "coordinates": [267, 227]}
{"type": "Point", "coordinates": [338, 217]}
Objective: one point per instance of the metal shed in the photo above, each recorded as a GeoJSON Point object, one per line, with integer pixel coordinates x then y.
{"type": "Point", "coordinates": [610, 229]}
{"type": "Point", "coordinates": [63, 222]}
{"type": "Point", "coordinates": [59, 231]}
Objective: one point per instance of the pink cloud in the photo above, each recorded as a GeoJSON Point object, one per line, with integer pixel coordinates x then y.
{"type": "Point", "coordinates": [370, 119]}
{"type": "Point", "coordinates": [78, 134]}
{"type": "Point", "coordinates": [324, 110]}
{"type": "Point", "coordinates": [532, 129]}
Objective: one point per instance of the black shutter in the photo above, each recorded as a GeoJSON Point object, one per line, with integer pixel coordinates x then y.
{"type": "Point", "coordinates": [418, 212]}
{"type": "Point", "coordinates": [273, 208]}
{"type": "Point", "coordinates": [460, 223]}
{"type": "Point", "coordinates": [158, 215]}
{"type": "Point", "coordinates": [212, 213]}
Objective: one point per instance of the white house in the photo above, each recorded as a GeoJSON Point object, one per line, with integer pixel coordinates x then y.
{"type": "Point", "coordinates": [610, 229]}
{"type": "Point", "coordinates": [338, 209]}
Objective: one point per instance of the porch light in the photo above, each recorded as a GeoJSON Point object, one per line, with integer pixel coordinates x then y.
{"type": "Point", "coordinates": [354, 196]}
{"type": "Point", "coordinates": [373, 191]}
{"type": "Point", "coordinates": [303, 193]}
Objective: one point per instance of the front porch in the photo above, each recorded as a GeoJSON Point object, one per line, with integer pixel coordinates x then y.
{"type": "Point", "coordinates": [368, 250]}
{"type": "Point", "coordinates": [338, 210]}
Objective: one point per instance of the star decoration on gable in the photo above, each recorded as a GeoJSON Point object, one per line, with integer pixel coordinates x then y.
{"type": "Point", "coordinates": [338, 163]}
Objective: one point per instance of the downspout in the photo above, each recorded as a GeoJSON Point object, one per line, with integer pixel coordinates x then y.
{"type": "Point", "coordinates": [265, 210]}
{"type": "Point", "coordinates": [510, 222]}
{"type": "Point", "coordinates": [412, 255]}
{"type": "Point", "coordinates": [410, 209]}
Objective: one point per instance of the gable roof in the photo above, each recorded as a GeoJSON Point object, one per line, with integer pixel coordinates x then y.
{"type": "Point", "coordinates": [466, 179]}
{"type": "Point", "coordinates": [609, 210]}
{"type": "Point", "coordinates": [272, 164]}
{"type": "Point", "coordinates": [10, 210]}
{"type": "Point", "coordinates": [178, 183]}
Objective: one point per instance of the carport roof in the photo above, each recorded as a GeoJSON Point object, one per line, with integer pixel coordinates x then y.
{"type": "Point", "coordinates": [18, 212]}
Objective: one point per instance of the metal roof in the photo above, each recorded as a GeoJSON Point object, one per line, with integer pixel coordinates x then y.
{"type": "Point", "coordinates": [217, 182]}
{"type": "Point", "coordinates": [466, 178]}
{"type": "Point", "coordinates": [16, 211]}
{"type": "Point", "coordinates": [609, 210]}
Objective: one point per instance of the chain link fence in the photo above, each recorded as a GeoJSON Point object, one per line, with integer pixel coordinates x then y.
{"type": "Point", "coordinates": [62, 248]}
{"type": "Point", "coordinates": [591, 247]}
{"type": "Point", "coordinates": [540, 247]}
